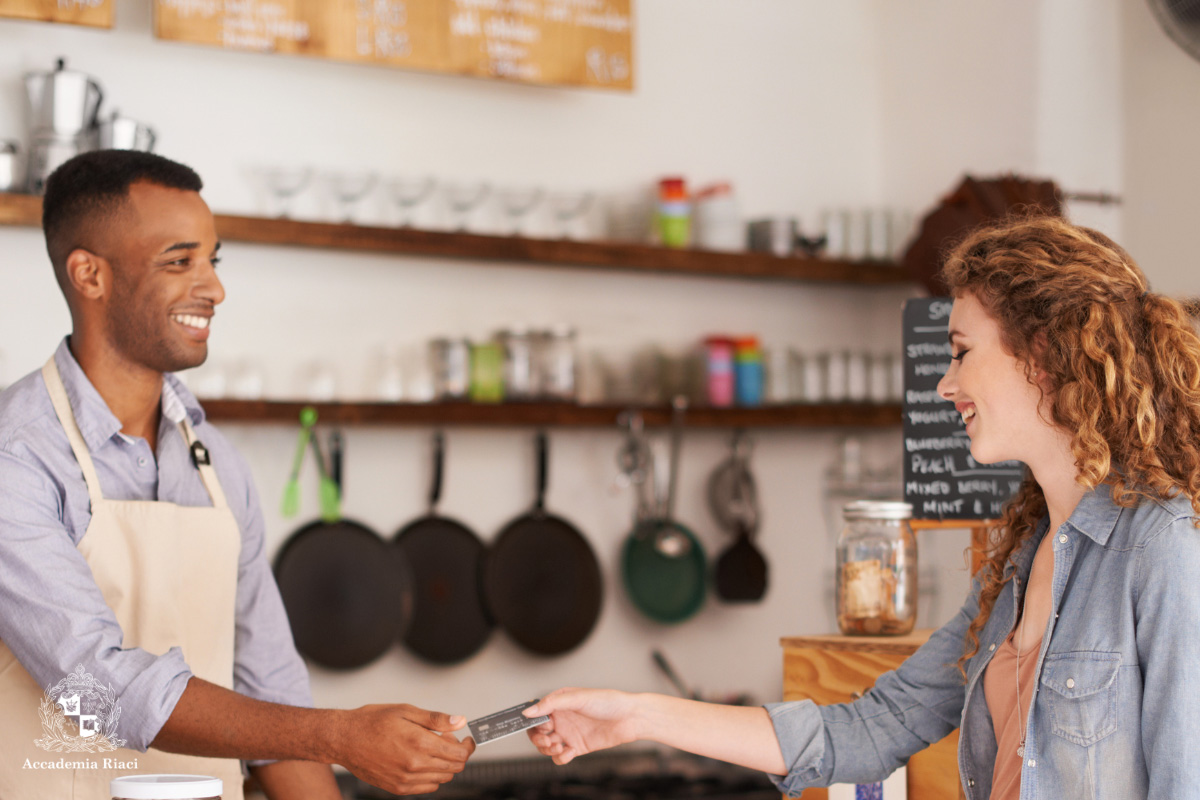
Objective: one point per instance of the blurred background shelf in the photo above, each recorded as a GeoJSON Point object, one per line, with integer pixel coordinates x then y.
{"type": "Point", "coordinates": [565, 415]}
{"type": "Point", "coordinates": [26, 210]}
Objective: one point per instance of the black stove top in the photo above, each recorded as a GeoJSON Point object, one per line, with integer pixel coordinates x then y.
{"type": "Point", "coordinates": [632, 775]}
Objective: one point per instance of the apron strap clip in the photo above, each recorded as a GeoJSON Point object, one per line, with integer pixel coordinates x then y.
{"type": "Point", "coordinates": [200, 454]}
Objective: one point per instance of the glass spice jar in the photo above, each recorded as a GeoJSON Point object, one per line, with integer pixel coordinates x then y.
{"type": "Point", "coordinates": [877, 569]}
{"type": "Point", "coordinates": [557, 366]}
{"type": "Point", "coordinates": [520, 376]}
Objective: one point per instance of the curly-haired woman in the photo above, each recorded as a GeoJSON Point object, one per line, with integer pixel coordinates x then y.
{"type": "Point", "coordinates": [1073, 668]}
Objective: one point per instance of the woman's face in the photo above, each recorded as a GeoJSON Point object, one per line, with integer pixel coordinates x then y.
{"type": "Point", "coordinates": [987, 385]}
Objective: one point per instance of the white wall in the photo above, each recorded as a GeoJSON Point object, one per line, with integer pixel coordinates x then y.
{"type": "Point", "coordinates": [802, 105]}
{"type": "Point", "coordinates": [1161, 116]}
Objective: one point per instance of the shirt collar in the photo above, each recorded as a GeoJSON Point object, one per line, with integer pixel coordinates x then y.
{"type": "Point", "coordinates": [96, 421]}
{"type": "Point", "coordinates": [1096, 515]}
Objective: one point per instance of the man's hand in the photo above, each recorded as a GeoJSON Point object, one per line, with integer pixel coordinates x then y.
{"type": "Point", "coordinates": [403, 749]}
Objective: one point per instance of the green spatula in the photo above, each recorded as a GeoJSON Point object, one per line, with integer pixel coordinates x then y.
{"type": "Point", "coordinates": [291, 490]}
{"type": "Point", "coordinates": [329, 494]}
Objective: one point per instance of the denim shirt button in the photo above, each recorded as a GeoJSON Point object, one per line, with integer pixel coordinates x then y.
{"type": "Point", "coordinates": [1031, 763]}
{"type": "Point", "coordinates": [991, 647]}
{"type": "Point", "coordinates": [970, 782]}
{"type": "Point", "coordinates": [1063, 538]}
{"type": "Point", "coordinates": [1070, 683]}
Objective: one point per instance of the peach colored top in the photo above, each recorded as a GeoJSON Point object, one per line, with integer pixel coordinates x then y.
{"type": "Point", "coordinates": [1000, 689]}
{"type": "Point", "coordinates": [1001, 678]}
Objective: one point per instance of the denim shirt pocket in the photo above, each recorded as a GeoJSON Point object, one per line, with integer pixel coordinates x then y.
{"type": "Point", "coordinates": [1082, 694]}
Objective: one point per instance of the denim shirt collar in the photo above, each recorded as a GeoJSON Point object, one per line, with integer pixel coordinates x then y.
{"type": "Point", "coordinates": [96, 421]}
{"type": "Point", "coordinates": [1095, 517]}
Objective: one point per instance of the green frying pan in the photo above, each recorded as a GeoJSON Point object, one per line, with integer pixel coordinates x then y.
{"type": "Point", "coordinates": [663, 563]}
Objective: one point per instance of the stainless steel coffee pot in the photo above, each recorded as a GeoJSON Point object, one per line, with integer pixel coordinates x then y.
{"type": "Point", "coordinates": [123, 133]}
{"type": "Point", "coordinates": [9, 167]}
{"type": "Point", "coordinates": [62, 102]}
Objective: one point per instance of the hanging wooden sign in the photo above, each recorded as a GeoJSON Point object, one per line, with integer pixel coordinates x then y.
{"type": "Point", "coordinates": [94, 13]}
{"type": "Point", "coordinates": [556, 42]}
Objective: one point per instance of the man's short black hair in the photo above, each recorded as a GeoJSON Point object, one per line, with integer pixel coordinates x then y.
{"type": "Point", "coordinates": [93, 185]}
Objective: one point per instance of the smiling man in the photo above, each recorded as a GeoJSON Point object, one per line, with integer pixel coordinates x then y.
{"type": "Point", "coordinates": [132, 564]}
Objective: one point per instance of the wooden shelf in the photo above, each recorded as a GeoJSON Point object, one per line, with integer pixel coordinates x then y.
{"type": "Point", "coordinates": [551, 414]}
{"type": "Point", "coordinates": [26, 210]}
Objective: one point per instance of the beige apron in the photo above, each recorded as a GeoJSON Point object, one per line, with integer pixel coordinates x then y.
{"type": "Point", "coordinates": [169, 573]}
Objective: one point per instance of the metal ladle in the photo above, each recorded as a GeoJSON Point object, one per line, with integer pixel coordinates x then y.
{"type": "Point", "coordinates": [668, 540]}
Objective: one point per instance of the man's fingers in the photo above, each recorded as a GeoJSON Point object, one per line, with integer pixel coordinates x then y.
{"type": "Point", "coordinates": [426, 787]}
{"type": "Point", "coordinates": [433, 720]}
{"type": "Point", "coordinates": [431, 763]}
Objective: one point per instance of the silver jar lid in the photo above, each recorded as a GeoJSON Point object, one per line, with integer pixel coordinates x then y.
{"type": "Point", "coordinates": [877, 509]}
{"type": "Point", "coordinates": [165, 787]}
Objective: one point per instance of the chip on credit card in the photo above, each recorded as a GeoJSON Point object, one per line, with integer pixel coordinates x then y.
{"type": "Point", "coordinates": [502, 723]}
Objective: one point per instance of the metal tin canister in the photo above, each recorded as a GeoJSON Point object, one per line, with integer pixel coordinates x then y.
{"type": "Point", "coordinates": [450, 360]}
{"type": "Point", "coordinates": [166, 787]}
{"type": "Point", "coordinates": [520, 371]}
{"type": "Point", "coordinates": [556, 363]}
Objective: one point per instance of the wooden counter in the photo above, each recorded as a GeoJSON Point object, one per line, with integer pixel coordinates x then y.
{"type": "Point", "coordinates": [836, 669]}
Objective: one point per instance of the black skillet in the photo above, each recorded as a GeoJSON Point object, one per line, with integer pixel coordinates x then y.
{"type": "Point", "coordinates": [346, 593]}
{"type": "Point", "coordinates": [449, 622]}
{"type": "Point", "coordinates": [541, 579]}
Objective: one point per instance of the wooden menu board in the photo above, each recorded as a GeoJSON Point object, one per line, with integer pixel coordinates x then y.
{"type": "Point", "coordinates": [95, 13]}
{"type": "Point", "coordinates": [941, 479]}
{"type": "Point", "coordinates": [565, 42]}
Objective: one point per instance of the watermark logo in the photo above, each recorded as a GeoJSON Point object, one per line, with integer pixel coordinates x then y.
{"type": "Point", "coordinates": [79, 715]}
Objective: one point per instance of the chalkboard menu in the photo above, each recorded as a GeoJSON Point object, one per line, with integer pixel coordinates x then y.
{"type": "Point", "coordinates": [941, 479]}
{"type": "Point", "coordinates": [94, 13]}
{"type": "Point", "coordinates": [565, 42]}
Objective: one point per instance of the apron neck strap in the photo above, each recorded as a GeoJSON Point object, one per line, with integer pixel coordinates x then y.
{"type": "Point", "coordinates": [199, 455]}
{"type": "Point", "coordinates": [62, 407]}
{"type": "Point", "coordinates": [66, 416]}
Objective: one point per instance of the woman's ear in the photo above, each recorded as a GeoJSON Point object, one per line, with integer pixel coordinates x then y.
{"type": "Point", "coordinates": [1037, 357]}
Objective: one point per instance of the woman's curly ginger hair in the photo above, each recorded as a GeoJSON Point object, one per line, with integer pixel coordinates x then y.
{"type": "Point", "coordinates": [1122, 367]}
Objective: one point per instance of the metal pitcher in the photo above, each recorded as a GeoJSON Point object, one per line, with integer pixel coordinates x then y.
{"type": "Point", "coordinates": [9, 165]}
{"type": "Point", "coordinates": [62, 101]}
{"type": "Point", "coordinates": [123, 133]}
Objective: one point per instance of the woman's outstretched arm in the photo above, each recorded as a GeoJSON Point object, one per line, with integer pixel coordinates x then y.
{"type": "Point", "coordinates": [586, 720]}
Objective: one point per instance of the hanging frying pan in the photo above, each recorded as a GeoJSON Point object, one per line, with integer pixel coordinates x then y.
{"type": "Point", "coordinates": [449, 621]}
{"type": "Point", "coordinates": [663, 563]}
{"type": "Point", "coordinates": [741, 571]}
{"type": "Point", "coordinates": [346, 593]}
{"type": "Point", "coordinates": [541, 578]}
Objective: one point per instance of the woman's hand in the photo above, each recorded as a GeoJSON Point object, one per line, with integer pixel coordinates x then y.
{"type": "Point", "coordinates": [586, 720]}
{"type": "Point", "coordinates": [583, 721]}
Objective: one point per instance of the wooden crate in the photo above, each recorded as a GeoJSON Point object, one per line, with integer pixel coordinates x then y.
{"type": "Point", "coordinates": [837, 669]}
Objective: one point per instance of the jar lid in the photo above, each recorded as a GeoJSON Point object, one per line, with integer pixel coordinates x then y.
{"type": "Point", "coordinates": [877, 509]}
{"type": "Point", "coordinates": [165, 787]}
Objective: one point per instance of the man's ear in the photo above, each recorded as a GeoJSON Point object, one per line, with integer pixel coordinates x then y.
{"type": "Point", "coordinates": [88, 274]}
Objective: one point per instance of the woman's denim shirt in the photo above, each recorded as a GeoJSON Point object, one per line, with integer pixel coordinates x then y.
{"type": "Point", "coordinates": [1116, 713]}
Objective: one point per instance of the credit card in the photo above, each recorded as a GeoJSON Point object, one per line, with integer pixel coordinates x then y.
{"type": "Point", "coordinates": [503, 723]}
